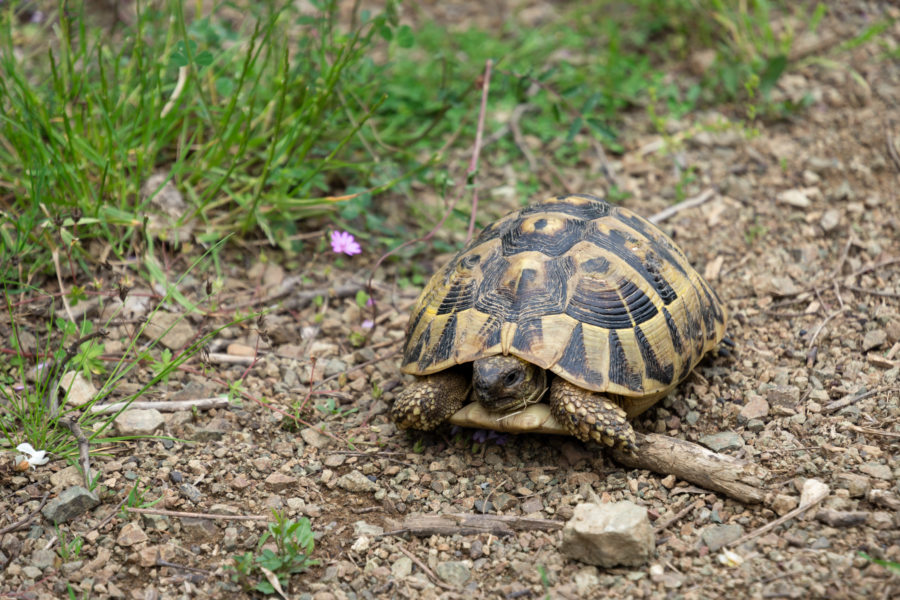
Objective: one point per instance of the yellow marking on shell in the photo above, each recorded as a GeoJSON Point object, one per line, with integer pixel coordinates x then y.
{"type": "Point", "coordinates": [543, 224]}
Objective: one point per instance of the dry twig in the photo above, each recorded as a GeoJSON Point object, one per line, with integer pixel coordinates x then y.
{"type": "Point", "coordinates": [425, 569]}
{"type": "Point", "coordinates": [669, 212]}
{"type": "Point", "coordinates": [472, 524]}
{"type": "Point", "coordinates": [164, 406]}
{"type": "Point", "coordinates": [22, 523]}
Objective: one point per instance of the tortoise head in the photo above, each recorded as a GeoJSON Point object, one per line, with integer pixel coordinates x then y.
{"type": "Point", "coordinates": [503, 383]}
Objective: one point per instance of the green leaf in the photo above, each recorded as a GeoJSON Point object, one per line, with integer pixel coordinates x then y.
{"type": "Point", "coordinates": [405, 37]}
{"type": "Point", "coordinates": [774, 68]}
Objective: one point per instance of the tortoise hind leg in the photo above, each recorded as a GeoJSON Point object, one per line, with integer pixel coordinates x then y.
{"type": "Point", "coordinates": [590, 416]}
{"type": "Point", "coordinates": [431, 400]}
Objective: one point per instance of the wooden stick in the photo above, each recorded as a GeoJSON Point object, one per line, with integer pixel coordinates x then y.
{"type": "Point", "coordinates": [472, 524]}
{"type": "Point", "coordinates": [425, 569]}
{"type": "Point", "coordinates": [164, 406]}
{"type": "Point", "coordinates": [701, 198]}
{"type": "Point", "coordinates": [742, 480]}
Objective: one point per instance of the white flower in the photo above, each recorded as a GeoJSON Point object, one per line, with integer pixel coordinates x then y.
{"type": "Point", "coordinates": [35, 457]}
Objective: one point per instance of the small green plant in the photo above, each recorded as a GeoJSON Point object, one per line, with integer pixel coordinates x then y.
{"type": "Point", "coordinates": [887, 564]}
{"type": "Point", "coordinates": [545, 581]}
{"type": "Point", "coordinates": [294, 545]}
{"type": "Point", "coordinates": [330, 406]}
{"type": "Point", "coordinates": [754, 232]}
{"type": "Point", "coordinates": [69, 549]}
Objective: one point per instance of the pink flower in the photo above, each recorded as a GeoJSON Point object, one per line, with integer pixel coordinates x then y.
{"type": "Point", "coordinates": [341, 241]}
{"type": "Point", "coordinates": [368, 324]}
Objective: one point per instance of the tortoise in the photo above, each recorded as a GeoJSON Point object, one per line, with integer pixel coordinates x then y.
{"type": "Point", "coordinates": [571, 296]}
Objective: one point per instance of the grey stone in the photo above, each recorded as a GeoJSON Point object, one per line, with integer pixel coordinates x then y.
{"type": "Point", "coordinates": [784, 395]}
{"type": "Point", "coordinates": [230, 539]}
{"type": "Point", "coordinates": [402, 567]}
{"type": "Point", "coordinates": [363, 528]}
{"type": "Point", "coordinates": [172, 330]}
{"type": "Point", "coordinates": [719, 536]}
{"type": "Point", "coordinates": [878, 471]}
{"type": "Point", "coordinates": [532, 505]}
{"type": "Point", "coordinates": [724, 440]}
{"type": "Point", "coordinates": [74, 501]}
{"type": "Point", "coordinates": [79, 390]}
{"type": "Point", "coordinates": [43, 559]}
{"type": "Point", "coordinates": [755, 408]}
{"type": "Point", "coordinates": [130, 535]}
{"type": "Point", "coordinates": [453, 572]}
{"type": "Point", "coordinates": [873, 339]}
{"type": "Point", "coordinates": [857, 485]}
{"type": "Point", "coordinates": [191, 492]}
{"type": "Point", "coordinates": [314, 438]}
{"type": "Point", "coordinates": [67, 477]}
{"type": "Point", "coordinates": [586, 581]}
{"type": "Point", "coordinates": [138, 422]}
{"type": "Point", "coordinates": [617, 533]}
{"type": "Point", "coordinates": [354, 481]}
{"type": "Point", "coordinates": [31, 572]}
{"type": "Point", "coordinates": [830, 220]}
{"type": "Point", "coordinates": [199, 530]}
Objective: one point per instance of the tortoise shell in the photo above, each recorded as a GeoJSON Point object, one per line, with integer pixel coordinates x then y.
{"type": "Point", "coordinates": [590, 291]}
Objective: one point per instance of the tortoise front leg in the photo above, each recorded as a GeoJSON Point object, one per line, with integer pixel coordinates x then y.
{"type": "Point", "coordinates": [590, 416]}
{"type": "Point", "coordinates": [431, 400]}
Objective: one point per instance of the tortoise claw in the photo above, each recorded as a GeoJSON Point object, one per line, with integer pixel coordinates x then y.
{"type": "Point", "coordinates": [430, 401]}
{"type": "Point", "coordinates": [590, 416]}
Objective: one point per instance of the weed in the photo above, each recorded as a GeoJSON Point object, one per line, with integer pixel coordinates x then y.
{"type": "Point", "coordinates": [294, 545]}
{"type": "Point", "coordinates": [888, 564]}
{"type": "Point", "coordinates": [69, 549]}
{"type": "Point", "coordinates": [331, 407]}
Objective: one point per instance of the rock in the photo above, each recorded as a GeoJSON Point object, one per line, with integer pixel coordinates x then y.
{"type": "Point", "coordinates": [147, 555]}
{"type": "Point", "coordinates": [586, 581]}
{"type": "Point", "coordinates": [830, 220]}
{"type": "Point", "coordinates": [43, 559]}
{"type": "Point", "coordinates": [356, 482]}
{"type": "Point", "coordinates": [607, 535]}
{"type": "Point", "coordinates": [857, 485]}
{"type": "Point", "coordinates": [724, 440]}
{"type": "Point", "coordinates": [138, 422]}
{"type": "Point", "coordinates": [79, 391]}
{"type": "Point", "coordinates": [402, 567]}
{"type": "Point", "coordinates": [532, 505]}
{"type": "Point", "coordinates": [279, 482]}
{"type": "Point", "coordinates": [881, 519]}
{"type": "Point", "coordinates": [873, 339]}
{"type": "Point", "coordinates": [813, 491]}
{"type": "Point", "coordinates": [784, 395]}
{"type": "Point", "coordinates": [66, 478]}
{"type": "Point", "coordinates": [199, 530]}
{"type": "Point", "coordinates": [74, 501]}
{"type": "Point", "coordinates": [130, 535]}
{"type": "Point", "coordinates": [719, 536]}
{"type": "Point", "coordinates": [783, 504]}
{"type": "Point", "coordinates": [213, 431]}
{"type": "Point", "coordinates": [878, 471]}
{"type": "Point", "coordinates": [191, 492]}
{"type": "Point", "coordinates": [798, 198]}
{"type": "Point", "coordinates": [453, 572]}
{"type": "Point", "coordinates": [755, 408]}
{"type": "Point", "coordinates": [362, 528]}
{"type": "Point", "coordinates": [842, 518]}
{"type": "Point", "coordinates": [31, 572]}
{"type": "Point", "coordinates": [314, 437]}
{"type": "Point", "coordinates": [172, 331]}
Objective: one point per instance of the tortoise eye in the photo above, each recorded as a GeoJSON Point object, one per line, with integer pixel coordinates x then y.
{"type": "Point", "coordinates": [512, 378]}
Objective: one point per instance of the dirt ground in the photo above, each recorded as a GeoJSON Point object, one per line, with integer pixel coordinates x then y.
{"type": "Point", "coordinates": [801, 239]}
